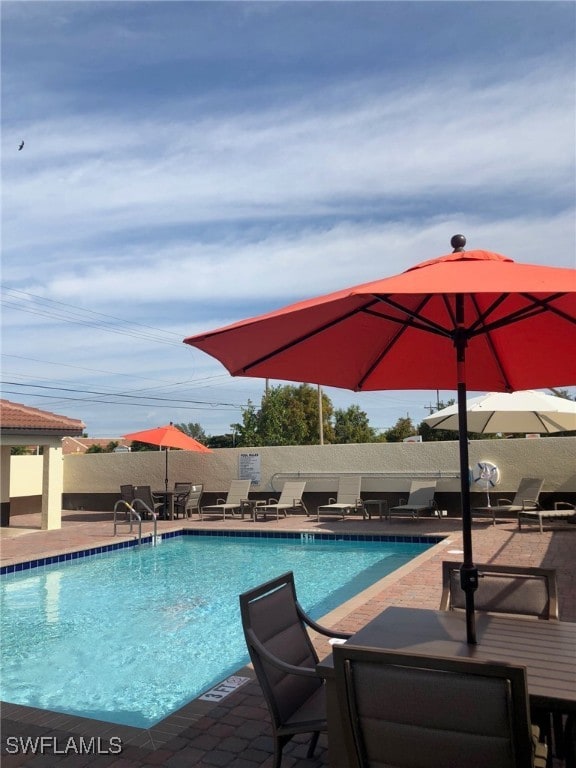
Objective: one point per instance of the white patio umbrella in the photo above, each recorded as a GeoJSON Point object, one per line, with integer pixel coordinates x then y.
{"type": "Point", "coordinates": [523, 411]}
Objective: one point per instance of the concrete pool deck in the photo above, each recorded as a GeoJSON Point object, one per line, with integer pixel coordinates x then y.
{"type": "Point", "coordinates": [235, 733]}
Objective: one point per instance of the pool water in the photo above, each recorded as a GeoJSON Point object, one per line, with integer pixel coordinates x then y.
{"type": "Point", "coordinates": [130, 636]}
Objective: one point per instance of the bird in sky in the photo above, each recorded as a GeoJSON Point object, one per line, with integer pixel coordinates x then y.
{"type": "Point", "coordinates": [21, 145]}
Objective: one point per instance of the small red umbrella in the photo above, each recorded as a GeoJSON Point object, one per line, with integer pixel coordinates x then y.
{"type": "Point", "coordinates": [168, 437]}
{"type": "Point", "coordinates": [468, 319]}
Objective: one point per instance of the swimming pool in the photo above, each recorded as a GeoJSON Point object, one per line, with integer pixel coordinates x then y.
{"type": "Point", "coordinates": [130, 636]}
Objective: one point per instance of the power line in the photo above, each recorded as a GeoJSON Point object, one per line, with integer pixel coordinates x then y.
{"type": "Point", "coordinates": [70, 313]}
{"type": "Point", "coordinates": [121, 395]}
{"type": "Point", "coordinates": [207, 407]}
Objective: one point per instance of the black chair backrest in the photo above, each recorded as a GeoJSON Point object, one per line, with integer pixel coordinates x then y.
{"type": "Point", "coordinates": [504, 589]}
{"type": "Point", "coordinates": [403, 710]}
{"type": "Point", "coordinates": [127, 493]}
{"type": "Point", "coordinates": [143, 494]}
{"type": "Point", "coordinates": [270, 619]}
{"type": "Point", "coordinates": [181, 489]}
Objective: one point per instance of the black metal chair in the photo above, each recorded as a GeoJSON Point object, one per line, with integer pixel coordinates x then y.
{"type": "Point", "coordinates": [127, 496]}
{"type": "Point", "coordinates": [407, 710]}
{"type": "Point", "coordinates": [145, 503]}
{"type": "Point", "coordinates": [284, 659]}
{"type": "Point", "coordinates": [181, 494]}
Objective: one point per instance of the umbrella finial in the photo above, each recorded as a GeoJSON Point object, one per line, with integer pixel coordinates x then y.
{"type": "Point", "coordinates": [458, 242]}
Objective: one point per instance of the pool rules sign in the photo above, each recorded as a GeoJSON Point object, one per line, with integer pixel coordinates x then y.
{"type": "Point", "coordinates": [249, 467]}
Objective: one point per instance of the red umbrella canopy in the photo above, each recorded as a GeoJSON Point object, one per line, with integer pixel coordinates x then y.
{"type": "Point", "coordinates": [473, 319]}
{"type": "Point", "coordinates": [168, 437]}
{"type": "Point", "coordinates": [517, 322]}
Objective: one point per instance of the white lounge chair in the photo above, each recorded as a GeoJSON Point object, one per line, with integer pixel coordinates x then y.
{"type": "Point", "coordinates": [347, 500]}
{"type": "Point", "coordinates": [564, 511]}
{"type": "Point", "coordinates": [239, 490]}
{"type": "Point", "coordinates": [420, 499]}
{"type": "Point", "coordinates": [526, 498]}
{"type": "Point", "coordinates": [290, 499]}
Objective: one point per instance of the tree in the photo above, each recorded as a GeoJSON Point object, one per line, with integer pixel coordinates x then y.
{"type": "Point", "coordinates": [403, 428]}
{"type": "Point", "coordinates": [136, 445]}
{"type": "Point", "coordinates": [95, 448]}
{"type": "Point", "coordinates": [288, 415]}
{"type": "Point", "coordinates": [194, 430]}
{"type": "Point", "coordinates": [221, 441]}
{"type": "Point", "coordinates": [20, 450]}
{"type": "Point", "coordinates": [352, 426]}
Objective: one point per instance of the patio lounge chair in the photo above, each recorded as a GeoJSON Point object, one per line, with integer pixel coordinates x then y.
{"type": "Point", "coordinates": [526, 498]}
{"type": "Point", "coordinates": [347, 501]}
{"type": "Point", "coordinates": [420, 499]}
{"type": "Point", "coordinates": [508, 589]}
{"type": "Point", "coordinates": [290, 500]}
{"type": "Point", "coordinates": [403, 710]}
{"type": "Point", "coordinates": [238, 492]}
{"type": "Point", "coordinates": [563, 510]}
{"type": "Point", "coordinates": [284, 659]}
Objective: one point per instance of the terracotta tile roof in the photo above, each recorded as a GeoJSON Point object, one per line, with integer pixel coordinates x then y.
{"type": "Point", "coordinates": [81, 444]}
{"type": "Point", "coordinates": [16, 417]}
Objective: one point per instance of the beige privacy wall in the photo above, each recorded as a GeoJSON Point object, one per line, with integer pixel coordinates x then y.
{"type": "Point", "coordinates": [383, 466]}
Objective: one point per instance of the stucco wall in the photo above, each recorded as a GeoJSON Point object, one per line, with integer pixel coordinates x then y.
{"type": "Point", "coordinates": [383, 466]}
{"type": "Point", "coordinates": [25, 476]}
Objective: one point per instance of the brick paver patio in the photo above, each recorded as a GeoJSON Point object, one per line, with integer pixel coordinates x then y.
{"type": "Point", "coordinates": [235, 733]}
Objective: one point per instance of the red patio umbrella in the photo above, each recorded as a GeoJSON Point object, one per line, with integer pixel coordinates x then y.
{"type": "Point", "coordinates": [167, 437]}
{"type": "Point", "coordinates": [471, 319]}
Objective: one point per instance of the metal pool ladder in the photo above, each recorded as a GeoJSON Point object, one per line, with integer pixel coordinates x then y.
{"type": "Point", "coordinates": [134, 516]}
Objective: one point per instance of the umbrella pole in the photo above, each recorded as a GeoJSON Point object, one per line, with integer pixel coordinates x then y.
{"type": "Point", "coordinates": [468, 571]}
{"type": "Point", "coordinates": [166, 475]}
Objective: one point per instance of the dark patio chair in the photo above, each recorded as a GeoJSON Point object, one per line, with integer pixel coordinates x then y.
{"type": "Point", "coordinates": [508, 589]}
{"type": "Point", "coordinates": [403, 710]}
{"type": "Point", "coordinates": [181, 494]}
{"type": "Point", "coordinates": [127, 493]}
{"type": "Point", "coordinates": [127, 496]}
{"type": "Point", "coordinates": [284, 659]}
{"type": "Point", "coordinates": [144, 502]}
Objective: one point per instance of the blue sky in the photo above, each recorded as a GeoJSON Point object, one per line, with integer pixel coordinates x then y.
{"type": "Point", "coordinates": [190, 164]}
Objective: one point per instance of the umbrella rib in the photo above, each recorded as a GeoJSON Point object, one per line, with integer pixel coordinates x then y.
{"type": "Point", "coordinates": [404, 325]}
{"type": "Point", "coordinates": [300, 339]}
{"type": "Point", "coordinates": [415, 319]}
{"type": "Point", "coordinates": [489, 341]}
{"type": "Point", "coordinates": [537, 307]}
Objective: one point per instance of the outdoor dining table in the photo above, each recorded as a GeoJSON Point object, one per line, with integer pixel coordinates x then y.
{"type": "Point", "coordinates": [547, 649]}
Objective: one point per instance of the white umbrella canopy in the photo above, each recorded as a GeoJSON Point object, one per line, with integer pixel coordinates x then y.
{"type": "Point", "coordinates": [522, 411]}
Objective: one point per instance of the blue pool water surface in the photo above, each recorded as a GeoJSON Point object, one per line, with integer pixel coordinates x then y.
{"type": "Point", "coordinates": [130, 636]}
